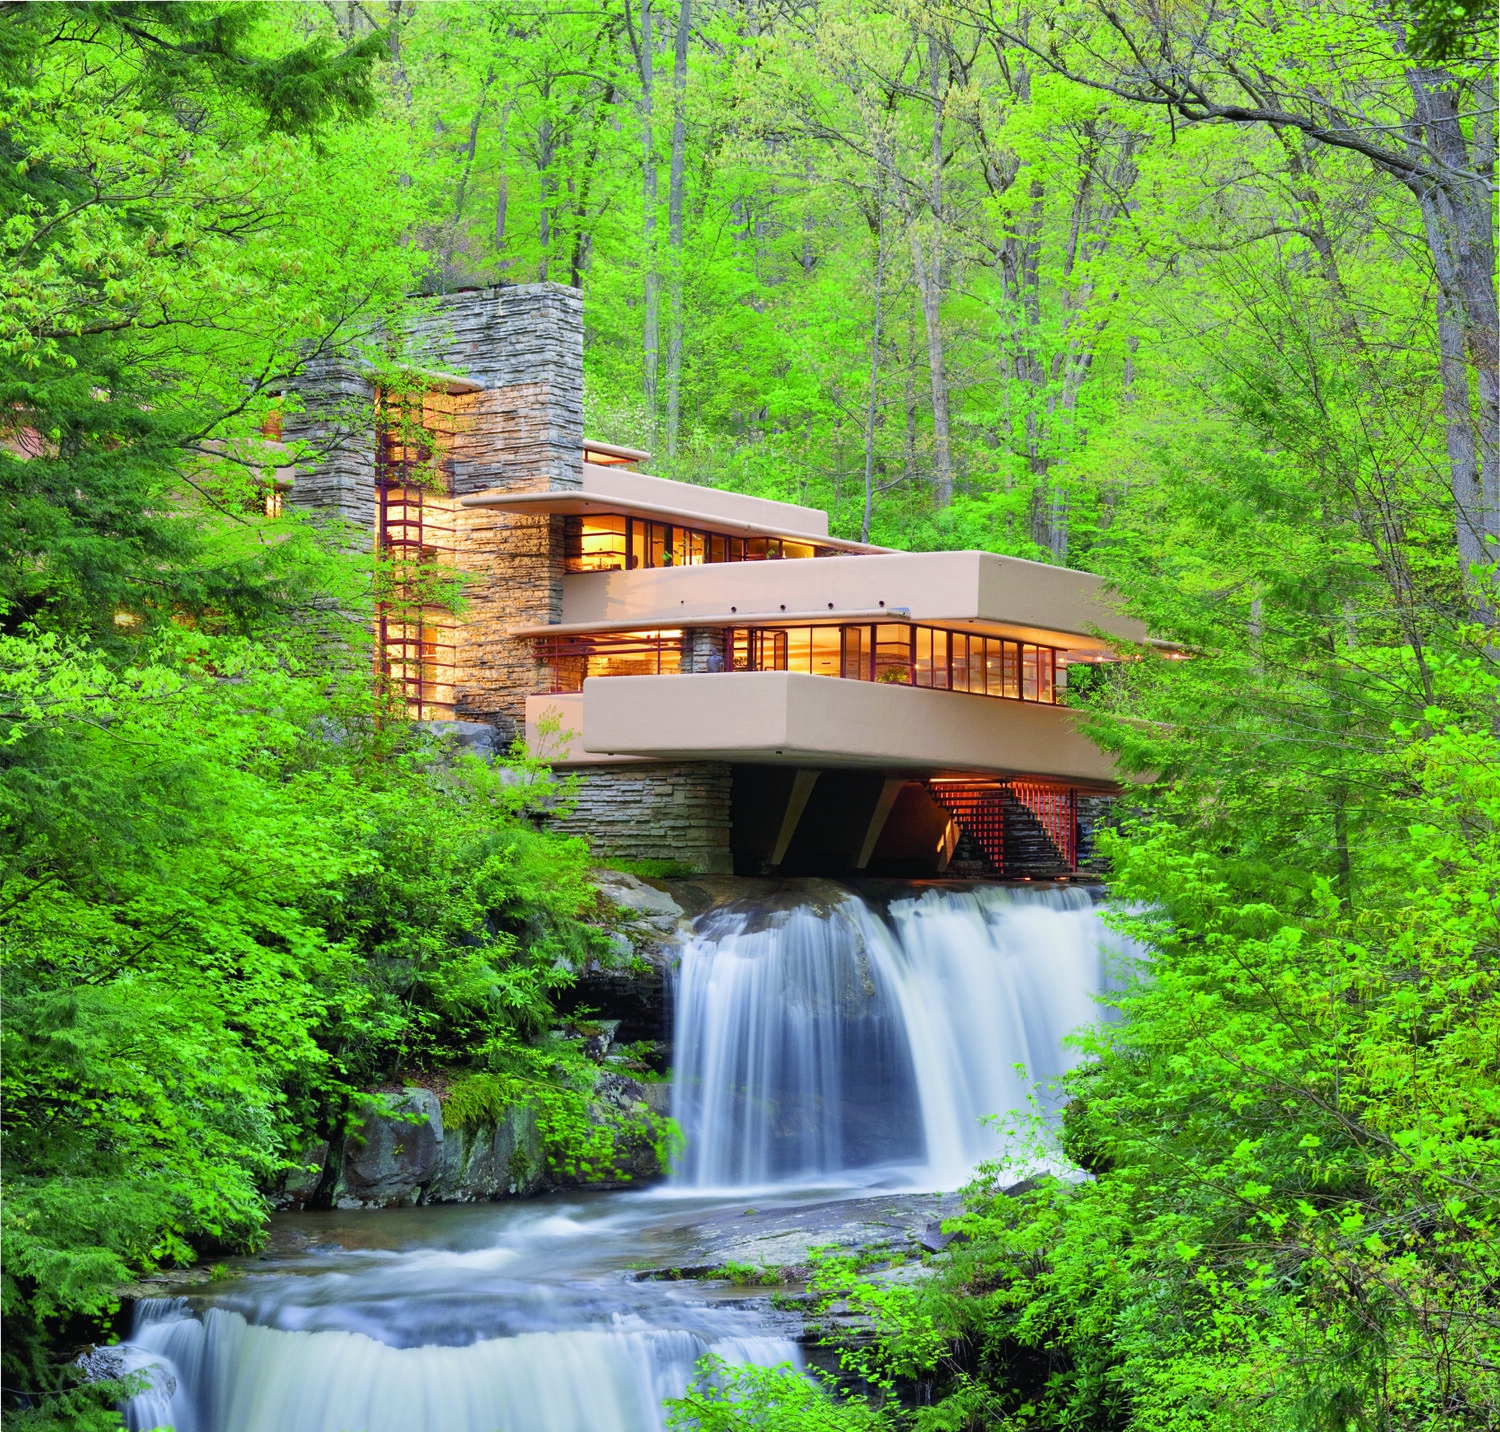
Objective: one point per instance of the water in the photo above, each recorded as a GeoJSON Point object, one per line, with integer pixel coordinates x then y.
{"type": "Point", "coordinates": [518, 1317]}
{"type": "Point", "coordinates": [819, 1043]}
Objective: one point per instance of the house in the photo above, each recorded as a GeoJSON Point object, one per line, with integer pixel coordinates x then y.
{"type": "Point", "coordinates": [736, 690]}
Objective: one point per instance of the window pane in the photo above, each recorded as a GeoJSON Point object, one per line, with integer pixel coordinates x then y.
{"type": "Point", "coordinates": [755, 549]}
{"type": "Point", "coordinates": [738, 647]}
{"type": "Point", "coordinates": [601, 545]}
{"type": "Point", "coordinates": [1028, 673]}
{"type": "Point", "coordinates": [637, 543]}
{"type": "Point", "coordinates": [923, 674]}
{"type": "Point", "coordinates": [1012, 670]}
{"type": "Point", "coordinates": [1044, 657]}
{"type": "Point", "coordinates": [799, 649]}
{"type": "Point", "coordinates": [856, 641]}
{"type": "Point", "coordinates": [976, 664]}
{"type": "Point", "coordinates": [658, 548]}
{"type": "Point", "coordinates": [960, 666]}
{"type": "Point", "coordinates": [796, 549]}
{"type": "Point", "coordinates": [718, 548]}
{"type": "Point", "coordinates": [825, 651]}
{"type": "Point", "coordinates": [993, 681]}
{"type": "Point", "coordinates": [893, 654]}
{"type": "Point", "coordinates": [940, 660]}
{"type": "Point", "coordinates": [736, 549]}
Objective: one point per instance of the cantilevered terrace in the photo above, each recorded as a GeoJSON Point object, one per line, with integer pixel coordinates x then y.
{"type": "Point", "coordinates": [698, 625]}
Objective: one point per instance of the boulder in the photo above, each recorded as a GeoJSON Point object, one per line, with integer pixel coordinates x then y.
{"type": "Point", "coordinates": [643, 904]}
{"type": "Point", "coordinates": [296, 1186]}
{"type": "Point", "coordinates": [488, 1161]}
{"type": "Point", "coordinates": [391, 1158]}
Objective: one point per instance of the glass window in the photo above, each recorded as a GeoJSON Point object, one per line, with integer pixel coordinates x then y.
{"type": "Point", "coordinates": [824, 653]}
{"type": "Point", "coordinates": [770, 651]}
{"type": "Point", "coordinates": [755, 549]}
{"type": "Point", "coordinates": [1044, 664]}
{"type": "Point", "coordinates": [799, 649]}
{"type": "Point", "coordinates": [856, 643]}
{"type": "Point", "coordinates": [1010, 667]}
{"type": "Point", "coordinates": [738, 649]}
{"type": "Point", "coordinates": [658, 545]}
{"type": "Point", "coordinates": [922, 674]}
{"type": "Point", "coordinates": [960, 663]}
{"type": "Point", "coordinates": [1028, 673]}
{"type": "Point", "coordinates": [893, 654]}
{"type": "Point", "coordinates": [598, 545]}
{"type": "Point", "coordinates": [796, 549]}
{"type": "Point", "coordinates": [637, 532]}
{"type": "Point", "coordinates": [976, 664]}
{"type": "Point", "coordinates": [718, 548]}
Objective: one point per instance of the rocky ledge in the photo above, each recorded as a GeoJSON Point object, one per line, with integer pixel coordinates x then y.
{"type": "Point", "coordinates": [402, 1154]}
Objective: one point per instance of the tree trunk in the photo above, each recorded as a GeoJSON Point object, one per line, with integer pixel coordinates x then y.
{"type": "Point", "coordinates": [651, 337]}
{"type": "Point", "coordinates": [929, 275]}
{"type": "Point", "coordinates": [1461, 243]}
{"type": "Point", "coordinates": [864, 531]}
{"type": "Point", "coordinates": [674, 224]}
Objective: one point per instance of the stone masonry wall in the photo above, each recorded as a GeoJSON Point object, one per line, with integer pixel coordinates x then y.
{"type": "Point", "coordinates": [337, 419]}
{"type": "Point", "coordinates": [522, 433]}
{"type": "Point", "coordinates": [699, 646]}
{"type": "Point", "coordinates": [663, 811]}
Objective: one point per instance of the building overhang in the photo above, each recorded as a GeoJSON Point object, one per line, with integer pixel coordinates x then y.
{"type": "Point", "coordinates": [790, 718]}
{"type": "Point", "coordinates": [976, 591]}
{"type": "Point", "coordinates": [584, 503]}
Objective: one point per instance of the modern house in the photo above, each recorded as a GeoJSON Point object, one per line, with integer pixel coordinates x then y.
{"type": "Point", "coordinates": [735, 689]}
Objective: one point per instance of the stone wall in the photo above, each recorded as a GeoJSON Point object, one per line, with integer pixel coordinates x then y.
{"type": "Point", "coordinates": [669, 810]}
{"type": "Point", "coordinates": [523, 432]}
{"type": "Point", "coordinates": [701, 646]}
{"type": "Point", "coordinates": [337, 419]}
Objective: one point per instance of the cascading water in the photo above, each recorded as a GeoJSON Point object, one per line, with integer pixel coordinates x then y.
{"type": "Point", "coordinates": [817, 1042]}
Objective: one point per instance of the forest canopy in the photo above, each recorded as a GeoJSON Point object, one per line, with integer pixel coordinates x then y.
{"type": "Point", "coordinates": [1201, 298]}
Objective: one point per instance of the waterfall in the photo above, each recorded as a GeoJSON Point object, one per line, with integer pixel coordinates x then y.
{"type": "Point", "coordinates": [221, 1373]}
{"type": "Point", "coordinates": [818, 1042]}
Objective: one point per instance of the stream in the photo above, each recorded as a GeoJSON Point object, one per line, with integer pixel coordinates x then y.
{"type": "Point", "coordinates": [836, 1062]}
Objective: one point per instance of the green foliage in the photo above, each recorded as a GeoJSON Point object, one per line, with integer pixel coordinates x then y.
{"type": "Point", "coordinates": [727, 1398]}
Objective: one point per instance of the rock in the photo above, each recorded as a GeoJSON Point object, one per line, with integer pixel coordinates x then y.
{"type": "Point", "coordinates": [644, 904]}
{"type": "Point", "coordinates": [491, 1161]}
{"type": "Point", "coordinates": [390, 1160]}
{"type": "Point", "coordinates": [102, 1364]}
{"type": "Point", "coordinates": [477, 738]}
{"type": "Point", "coordinates": [598, 1044]}
{"type": "Point", "coordinates": [297, 1185]}
{"type": "Point", "coordinates": [934, 1240]}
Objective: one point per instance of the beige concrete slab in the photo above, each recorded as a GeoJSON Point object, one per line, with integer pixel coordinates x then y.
{"type": "Point", "coordinates": [565, 748]}
{"type": "Point", "coordinates": [783, 717]}
{"type": "Point", "coordinates": [977, 589]}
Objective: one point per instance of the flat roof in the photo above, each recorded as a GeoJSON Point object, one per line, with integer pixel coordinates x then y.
{"type": "Point", "coordinates": [610, 491]}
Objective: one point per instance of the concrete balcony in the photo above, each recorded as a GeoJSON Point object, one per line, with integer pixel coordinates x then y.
{"type": "Point", "coordinates": [790, 718]}
{"type": "Point", "coordinates": [982, 591]}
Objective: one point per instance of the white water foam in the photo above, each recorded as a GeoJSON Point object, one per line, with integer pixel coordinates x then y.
{"type": "Point", "coordinates": [819, 1044]}
{"type": "Point", "coordinates": [222, 1374]}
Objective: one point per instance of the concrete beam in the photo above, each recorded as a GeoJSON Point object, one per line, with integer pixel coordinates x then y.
{"type": "Point", "coordinates": [802, 785]}
{"type": "Point", "coordinates": [888, 793]}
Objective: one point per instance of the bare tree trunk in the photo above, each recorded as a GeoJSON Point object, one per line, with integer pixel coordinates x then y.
{"type": "Point", "coordinates": [674, 224]}
{"type": "Point", "coordinates": [928, 287]}
{"type": "Point", "coordinates": [864, 531]}
{"type": "Point", "coordinates": [929, 275]}
{"type": "Point", "coordinates": [1461, 244]}
{"type": "Point", "coordinates": [651, 338]}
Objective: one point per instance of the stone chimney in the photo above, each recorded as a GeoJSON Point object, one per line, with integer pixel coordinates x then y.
{"type": "Point", "coordinates": [521, 432]}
